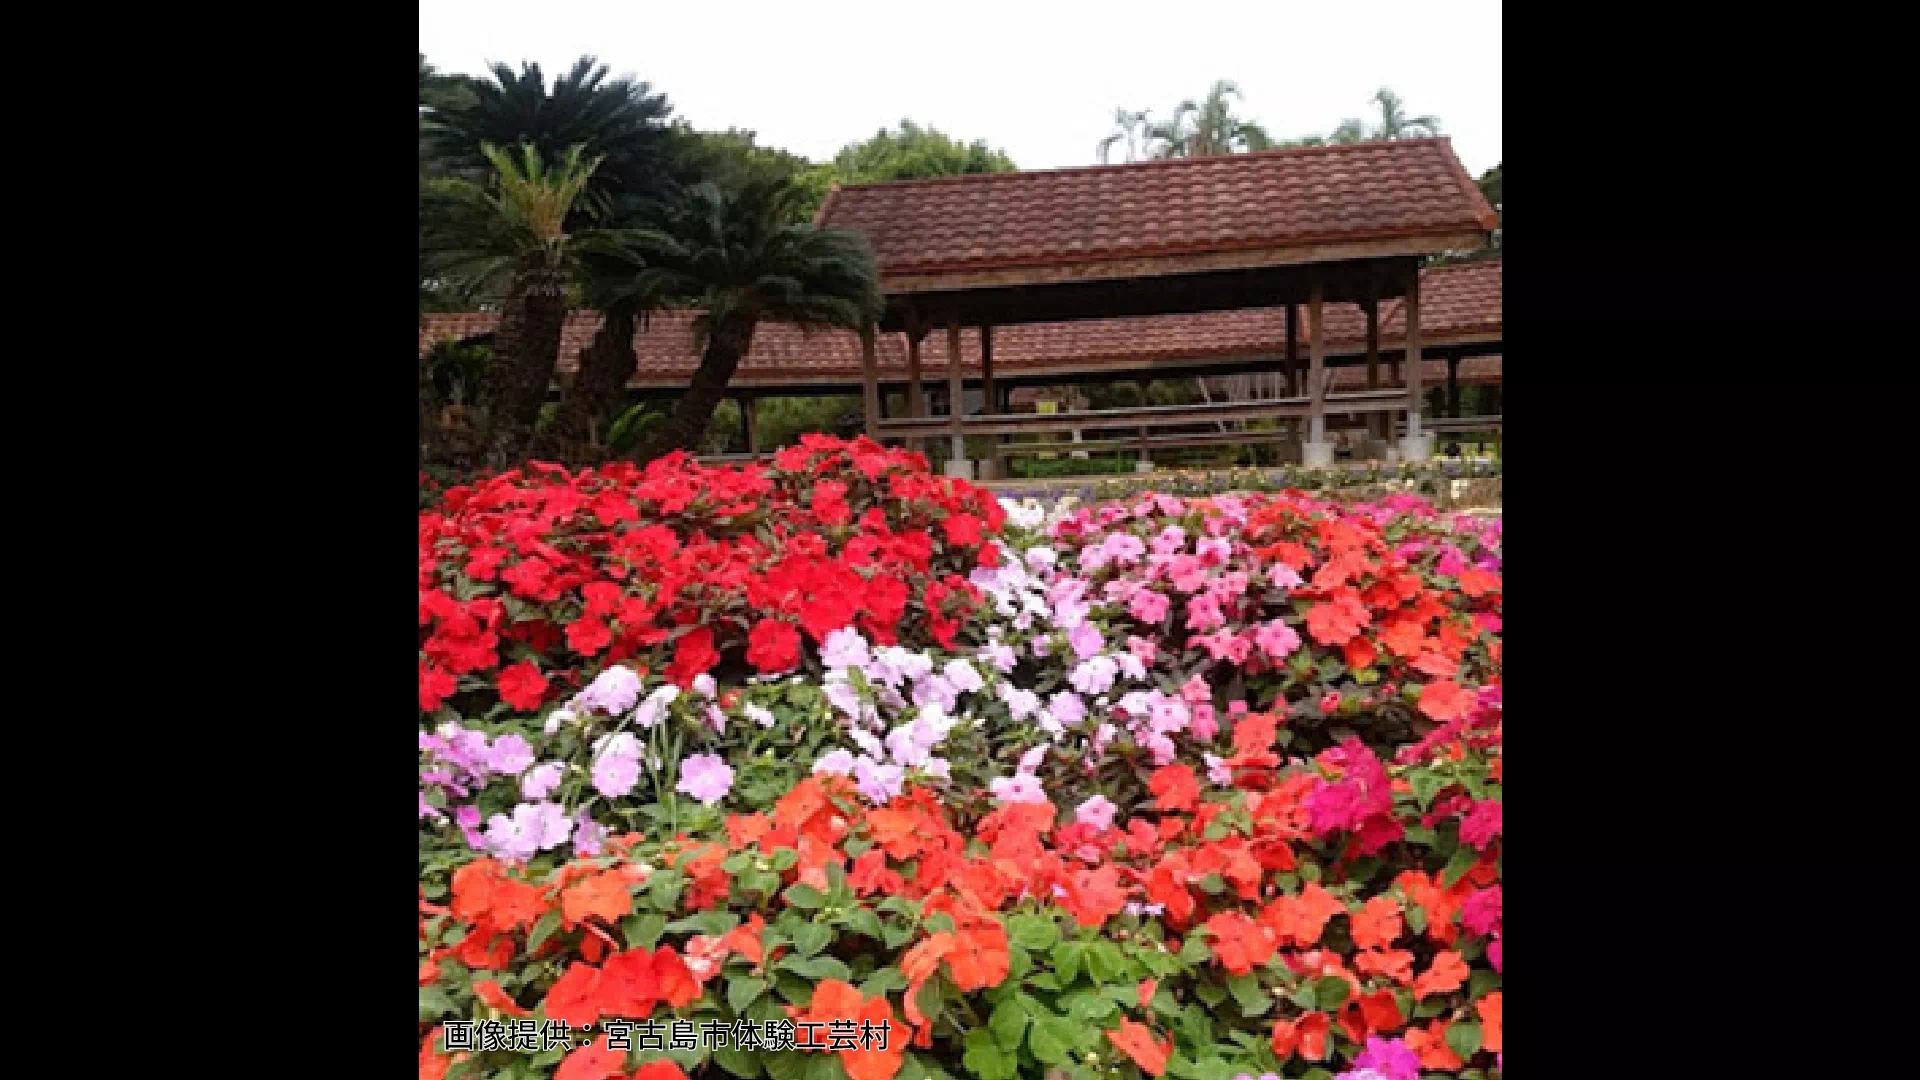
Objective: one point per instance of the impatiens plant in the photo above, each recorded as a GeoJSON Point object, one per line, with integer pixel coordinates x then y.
{"type": "Point", "coordinates": [784, 754]}
{"type": "Point", "coordinates": [531, 581]}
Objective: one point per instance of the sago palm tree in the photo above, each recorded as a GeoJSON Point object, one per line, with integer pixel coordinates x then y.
{"type": "Point", "coordinates": [622, 122]}
{"type": "Point", "coordinates": [511, 237]}
{"type": "Point", "coordinates": [736, 256]}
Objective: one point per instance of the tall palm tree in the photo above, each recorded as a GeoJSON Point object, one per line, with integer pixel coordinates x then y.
{"type": "Point", "coordinates": [512, 234]}
{"type": "Point", "coordinates": [1130, 127]}
{"type": "Point", "coordinates": [581, 423]}
{"type": "Point", "coordinates": [1394, 121]}
{"type": "Point", "coordinates": [1207, 127]}
{"type": "Point", "coordinates": [737, 256]}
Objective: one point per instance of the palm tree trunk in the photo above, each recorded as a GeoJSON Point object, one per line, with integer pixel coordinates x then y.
{"type": "Point", "coordinates": [531, 319]}
{"type": "Point", "coordinates": [727, 341]}
{"type": "Point", "coordinates": [588, 402]}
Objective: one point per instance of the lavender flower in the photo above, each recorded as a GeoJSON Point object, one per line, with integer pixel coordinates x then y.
{"type": "Point", "coordinates": [706, 777]}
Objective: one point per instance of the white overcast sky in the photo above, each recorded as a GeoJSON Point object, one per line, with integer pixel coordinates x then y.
{"type": "Point", "coordinates": [1039, 79]}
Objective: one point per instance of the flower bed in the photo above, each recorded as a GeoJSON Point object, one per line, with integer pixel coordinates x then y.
{"type": "Point", "coordinates": [1163, 787]}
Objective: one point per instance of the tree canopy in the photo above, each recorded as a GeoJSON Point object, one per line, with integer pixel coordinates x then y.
{"type": "Point", "coordinates": [913, 152]}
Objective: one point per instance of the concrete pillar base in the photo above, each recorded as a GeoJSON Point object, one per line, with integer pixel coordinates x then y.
{"type": "Point", "coordinates": [1417, 447]}
{"type": "Point", "coordinates": [1316, 455]}
{"type": "Point", "coordinates": [1143, 466]}
{"type": "Point", "coordinates": [960, 468]}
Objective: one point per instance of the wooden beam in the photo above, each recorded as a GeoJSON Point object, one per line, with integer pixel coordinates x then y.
{"type": "Point", "coordinates": [958, 280]}
{"type": "Point", "coordinates": [956, 388]}
{"type": "Point", "coordinates": [989, 403]}
{"type": "Point", "coordinates": [748, 402]}
{"type": "Point", "coordinates": [1453, 385]}
{"type": "Point", "coordinates": [1316, 365]}
{"type": "Point", "coordinates": [870, 381]}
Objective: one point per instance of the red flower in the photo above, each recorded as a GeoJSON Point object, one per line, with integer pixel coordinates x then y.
{"type": "Point", "coordinates": [773, 646]}
{"type": "Point", "coordinates": [436, 685]}
{"type": "Point", "coordinates": [962, 529]}
{"type": "Point", "coordinates": [693, 655]}
{"type": "Point", "coordinates": [522, 686]}
{"type": "Point", "coordinates": [1136, 1041]}
{"type": "Point", "coordinates": [587, 636]}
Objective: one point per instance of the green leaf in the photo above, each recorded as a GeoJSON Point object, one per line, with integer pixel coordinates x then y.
{"type": "Point", "coordinates": [865, 922]}
{"type": "Point", "coordinates": [434, 1003]}
{"type": "Point", "coordinates": [1482, 984]}
{"type": "Point", "coordinates": [737, 1061]}
{"type": "Point", "coordinates": [1464, 1039]}
{"type": "Point", "coordinates": [1009, 1024]}
{"type": "Point", "coordinates": [805, 897]}
{"type": "Point", "coordinates": [817, 967]}
{"type": "Point", "coordinates": [1247, 992]}
{"type": "Point", "coordinates": [1105, 962]}
{"type": "Point", "coordinates": [1210, 992]}
{"type": "Point", "coordinates": [663, 888]}
{"type": "Point", "coordinates": [643, 931]}
{"type": "Point", "coordinates": [1036, 932]}
{"type": "Point", "coordinates": [1458, 866]}
{"type": "Point", "coordinates": [985, 1059]}
{"type": "Point", "coordinates": [742, 990]}
{"type": "Point", "coordinates": [543, 930]}
{"type": "Point", "coordinates": [1052, 1039]}
{"type": "Point", "coordinates": [810, 938]}
{"type": "Point", "coordinates": [1066, 961]}
{"type": "Point", "coordinates": [1331, 992]}
{"type": "Point", "coordinates": [884, 981]}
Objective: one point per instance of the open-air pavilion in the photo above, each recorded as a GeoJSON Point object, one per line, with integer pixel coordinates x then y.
{"type": "Point", "coordinates": [1301, 265]}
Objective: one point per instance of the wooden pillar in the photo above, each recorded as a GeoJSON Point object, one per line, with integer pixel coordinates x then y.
{"type": "Point", "coordinates": [988, 399]}
{"type": "Point", "coordinates": [1146, 449]}
{"type": "Point", "coordinates": [1293, 351]}
{"type": "Point", "coordinates": [1453, 385]}
{"type": "Point", "coordinates": [916, 400]}
{"type": "Point", "coordinates": [1316, 364]}
{"type": "Point", "coordinates": [1413, 352]}
{"type": "Point", "coordinates": [747, 403]}
{"type": "Point", "coordinates": [1377, 423]}
{"type": "Point", "coordinates": [870, 382]}
{"type": "Point", "coordinates": [956, 388]}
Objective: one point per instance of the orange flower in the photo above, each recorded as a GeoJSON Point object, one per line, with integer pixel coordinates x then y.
{"type": "Point", "coordinates": [1431, 1044]}
{"type": "Point", "coordinates": [661, 1069]}
{"type": "Point", "coordinates": [1302, 919]}
{"type": "Point", "coordinates": [604, 894]}
{"type": "Point", "coordinates": [1376, 924]}
{"type": "Point", "coordinates": [575, 996]}
{"type": "Point", "coordinates": [745, 939]}
{"type": "Point", "coordinates": [836, 1000]}
{"type": "Point", "coordinates": [1444, 975]}
{"type": "Point", "coordinates": [1443, 699]}
{"type": "Point", "coordinates": [429, 972]}
{"type": "Point", "coordinates": [1238, 942]}
{"type": "Point", "coordinates": [1146, 990]}
{"type": "Point", "coordinates": [1489, 1009]}
{"type": "Point", "coordinates": [1359, 652]}
{"type": "Point", "coordinates": [595, 1062]}
{"type": "Point", "coordinates": [1395, 964]}
{"type": "Point", "coordinates": [981, 957]}
{"type": "Point", "coordinates": [493, 997]}
{"type": "Point", "coordinates": [1174, 787]}
{"type": "Point", "coordinates": [1136, 1041]}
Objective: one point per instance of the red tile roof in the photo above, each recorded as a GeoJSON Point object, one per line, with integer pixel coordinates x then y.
{"type": "Point", "coordinates": [1276, 199]}
{"type": "Point", "coordinates": [1460, 304]}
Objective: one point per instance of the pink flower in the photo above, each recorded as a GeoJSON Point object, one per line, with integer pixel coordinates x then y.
{"type": "Point", "coordinates": [1283, 576]}
{"type": "Point", "coordinates": [1148, 606]}
{"type": "Point", "coordinates": [1236, 708]}
{"type": "Point", "coordinates": [1224, 644]}
{"type": "Point", "coordinates": [1205, 725]}
{"type": "Point", "coordinates": [1096, 812]}
{"type": "Point", "coordinates": [1481, 824]}
{"type": "Point", "coordinates": [1171, 539]}
{"type": "Point", "coordinates": [1019, 788]}
{"type": "Point", "coordinates": [1143, 648]}
{"type": "Point", "coordinates": [1330, 702]}
{"type": "Point", "coordinates": [1196, 690]}
{"type": "Point", "coordinates": [1277, 639]}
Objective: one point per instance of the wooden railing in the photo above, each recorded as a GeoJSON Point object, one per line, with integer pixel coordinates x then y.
{"type": "Point", "coordinates": [1139, 418]}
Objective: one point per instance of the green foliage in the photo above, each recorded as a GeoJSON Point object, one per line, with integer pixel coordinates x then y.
{"type": "Point", "coordinates": [913, 152]}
